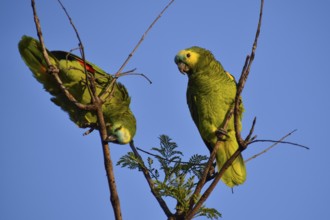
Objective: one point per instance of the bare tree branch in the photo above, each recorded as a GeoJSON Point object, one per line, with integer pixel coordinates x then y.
{"type": "Point", "coordinates": [242, 81]}
{"type": "Point", "coordinates": [119, 72]}
{"type": "Point", "coordinates": [146, 174]}
{"type": "Point", "coordinates": [89, 79]}
{"type": "Point", "coordinates": [136, 74]}
{"type": "Point", "coordinates": [280, 141]}
{"type": "Point", "coordinates": [142, 38]}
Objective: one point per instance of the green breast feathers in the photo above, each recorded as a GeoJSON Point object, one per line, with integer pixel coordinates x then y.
{"type": "Point", "coordinates": [210, 96]}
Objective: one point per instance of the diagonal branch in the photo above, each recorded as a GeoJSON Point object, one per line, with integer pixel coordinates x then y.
{"type": "Point", "coordinates": [242, 81]}
{"type": "Point", "coordinates": [119, 72]}
{"type": "Point", "coordinates": [146, 174]}
{"type": "Point", "coordinates": [90, 80]}
{"type": "Point", "coordinates": [209, 190]}
{"type": "Point", "coordinates": [280, 141]}
{"type": "Point", "coordinates": [142, 38]}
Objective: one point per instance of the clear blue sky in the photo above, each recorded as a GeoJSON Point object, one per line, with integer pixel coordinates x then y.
{"type": "Point", "coordinates": [49, 171]}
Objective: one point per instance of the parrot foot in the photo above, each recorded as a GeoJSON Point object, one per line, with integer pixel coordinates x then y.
{"type": "Point", "coordinates": [88, 132]}
{"type": "Point", "coordinates": [221, 134]}
{"type": "Point", "coordinates": [91, 126]}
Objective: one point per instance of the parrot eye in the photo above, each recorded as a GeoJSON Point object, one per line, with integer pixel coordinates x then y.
{"type": "Point", "coordinates": [188, 55]}
{"type": "Point", "coordinates": [117, 129]}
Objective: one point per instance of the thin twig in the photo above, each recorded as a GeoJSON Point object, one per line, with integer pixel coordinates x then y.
{"type": "Point", "coordinates": [137, 74]}
{"type": "Point", "coordinates": [248, 137]}
{"type": "Point", "coordinates": [39, 32]}
{"type": "Point", "coordinates": [171, 161]}
{"type": "Point", "coordinates": [90, 81]}
{"type": "Point", "coordinates": [131, 72]}
{"type": "Point", "coordinates": [151, 154]}
{"type": "Point", "coordinates": [51, 68]}
{"type": "Point", "coordinates": [142, 38]}
{"type": "Point", "coordinates": [72, 24]}
{"type": "Point", "coordinates": [119, 72]}
{"type": "Point", "coordinates": [273, 145]}
{"type": "Point", "coordinates": [281, 142]}
{"type": "Point", "coordinates": [242, 81]}
{"type": "Point", "coordinates": [146, 174]}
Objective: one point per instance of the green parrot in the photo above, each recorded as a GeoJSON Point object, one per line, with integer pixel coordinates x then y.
{"type": "Point", "coordinates": [119, 119]}
{"type": "Point", "coordinates": [210, 96]}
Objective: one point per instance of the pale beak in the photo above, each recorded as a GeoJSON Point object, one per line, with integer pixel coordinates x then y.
{"type": "Point", "coordinates": [183, 68]}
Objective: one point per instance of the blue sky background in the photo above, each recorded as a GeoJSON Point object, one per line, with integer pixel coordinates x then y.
{"type": "Point", "coordinates": [49, 171]}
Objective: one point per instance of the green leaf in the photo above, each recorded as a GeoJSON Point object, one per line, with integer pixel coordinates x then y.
{"type": "Point", "coordinates": [129, 160]}
{"type": "Point", "coordinates": [210, 213]}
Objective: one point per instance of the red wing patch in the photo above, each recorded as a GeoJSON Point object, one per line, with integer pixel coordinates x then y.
{"type": "Point", "coordinates": [43, 69]}
{"type": "Point", "coordinates": [89, 67]}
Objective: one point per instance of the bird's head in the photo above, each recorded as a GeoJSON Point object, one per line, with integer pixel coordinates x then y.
{"type": "Point", "coordinates": [192, 59]}
{"type": "Point", "coordinates": [122, 131]}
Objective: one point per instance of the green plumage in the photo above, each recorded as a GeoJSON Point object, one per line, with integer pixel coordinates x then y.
{"type": "Point", "coordinates": [210, 95]}
{"type": "Point", "coordinates": [120, 121]}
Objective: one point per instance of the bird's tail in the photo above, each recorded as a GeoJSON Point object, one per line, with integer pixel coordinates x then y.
{"type": "Point", "coordinates": [236, 173]}
{"type": "Point", "coordinates": [31, 53]}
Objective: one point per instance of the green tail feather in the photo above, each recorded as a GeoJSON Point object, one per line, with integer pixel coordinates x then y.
{"type": "Point", "coordinates": [30, 51]}
{"type": "Point", "coordinates": [236, 173]}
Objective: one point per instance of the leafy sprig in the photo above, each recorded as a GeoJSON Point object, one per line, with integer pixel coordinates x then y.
{"type": "Point", "coordinates": [173, 178]}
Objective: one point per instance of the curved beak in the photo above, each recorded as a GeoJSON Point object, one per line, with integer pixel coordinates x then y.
{"type": "Point", "coordinates": [183, 68]}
